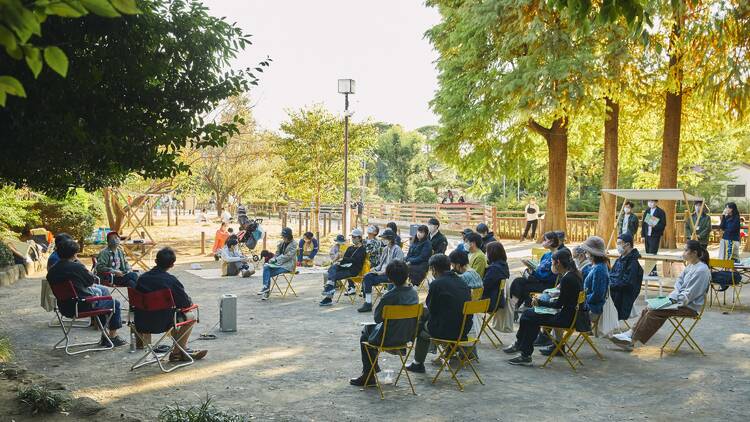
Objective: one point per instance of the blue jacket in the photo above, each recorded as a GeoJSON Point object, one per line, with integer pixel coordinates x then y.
{"type": "Point", "coordinates": [543, 272]}
{"type": "Point", "coordinates": [595, 284]}
{"type": "Point", "coordinates": [731, 227]}
{"type": "Point", "coordinates": [419, 252]}
{"type": "Point", "coordinates": [312, 253]}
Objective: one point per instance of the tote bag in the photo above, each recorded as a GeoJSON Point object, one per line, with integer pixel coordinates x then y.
{"type": "Point", "coordinates": [608, 322]}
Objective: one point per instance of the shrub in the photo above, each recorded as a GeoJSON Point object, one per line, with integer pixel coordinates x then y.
{"type": "Point", "coordinates": [76, 215]}
{"type": "Point", "coordinates": [6, 351]}
{"type": "Point", "coordinates": [205, 412]}
{"type": "Point", "coordinates": [6, 255]}
{"type": "Point", "coordinates": [41, 400]}
{"type": "Point", "coordinates": [15, 211]}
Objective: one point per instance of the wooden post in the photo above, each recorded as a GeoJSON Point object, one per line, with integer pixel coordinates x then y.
{"type": "Point", "coordinates": [176, 213]}
{"type": "Point", "coordinates": [203, 243]}
{"type": "Point", "coordinates": [283, 219]}
{"type": "Point", "coordinates": [264, 241]}
{"type": "Point", "coordinates": [494, 219]}
{"type": "Point", "coordinates": [299, 224]}
{"type": "Point", "coordinates": [169, 217]}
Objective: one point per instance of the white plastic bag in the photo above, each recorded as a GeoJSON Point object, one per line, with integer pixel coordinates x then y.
{"type": "Point", "coordinates": [503, 321]}
{"type": "Point", "coordinates": [608, 322]}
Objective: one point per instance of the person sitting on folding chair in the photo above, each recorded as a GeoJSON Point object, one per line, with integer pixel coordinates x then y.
{"type": "Point", "coordinates": [477, 258]}
{"type": "Point", "coordinates": [159, 278]}
{"type": "Point", "coordinates": [47, 295]}
{"type": "Point", "coordinates": [625, 277]}
{"type": "Point", "coordinates": [444, 313]}
{"type": "Point", "coordinates": [541, 278]}
{"type": "Point", "coordinates": [349, 266]}
{"type": "Point", "coordinates": [420, 250]}
{"type": "Point", "coordinates": [391, 252]}
{"type": "Point", "coordinates": [689, 294]}
{"type": "Point", "coordinates": [399, 332]}
{"type": "Point", "coordinates": [112, 260]}
{"type": "Point", "coordinates": [564, 309]}
{"type": "Point", "coordinates": [283, 262]}
{"type": "Point", "coordinates": [596, 280]}
{"type": "Point", "coordinates": [496, 271]}
{"type": "Point", "coordinates": [68, 268]}
{"type": "Point", "coordinates": [373, 245]}
{"type": "Point", "coordinates": [460, 265]}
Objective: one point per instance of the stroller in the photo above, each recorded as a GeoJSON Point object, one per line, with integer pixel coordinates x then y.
{"type": "Point", "coordinates": [249, 235]}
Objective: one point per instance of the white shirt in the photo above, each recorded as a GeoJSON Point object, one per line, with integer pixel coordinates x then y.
{"type": "Point", "coordinates": [625, 219]}
{"type": "Point", "coordinates": [691, 286]}
{"type": "Point", "coordinates": [531, 216]}
{"type": "Point", "coordinates": [226, 216]}
{"type": "Point", "coordinates": [651, 213]}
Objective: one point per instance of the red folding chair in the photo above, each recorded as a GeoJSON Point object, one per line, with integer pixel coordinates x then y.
{"type": "Point", "coordinates": [107, 279]}
{"type": "Point", "coordinates": [65, 294]}
{"type": "Point", "coordinates": [155, 313]}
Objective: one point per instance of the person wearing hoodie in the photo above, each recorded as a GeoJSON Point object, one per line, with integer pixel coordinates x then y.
{"type": "Point", "coordinates": [487, 235]}
{"type": "Point", "coordinates": [306, 250]}
{"type": "Point", "coordinates": [419, 253]}
{"type": "Point", "coordinates": [496, 271]}
{"type": "Point", "coordinates": [625, 277]}
{"type": "Point", "coordinates": [232, 260]}
{"type": "Point", "coordinates": [542, 277]}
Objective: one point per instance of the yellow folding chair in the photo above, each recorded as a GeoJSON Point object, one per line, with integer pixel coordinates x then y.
{"type": "Point", "coordinates": [288, 278]}
{"type": "Point", "coordinates": [356, 280]}
{"type": "Point", "coordinates": [476, 293]}
{"type": "Point", "coordinates": [684, 332]}
{"type": "Point", "coordinates": [585, 338]}
{"type": "Point", "coordinates": [487, 319]}
{"type": "Point", "coordinates": [562, 346]}
{"type": "Point", "coordinates": [395, 313]}
{"type": "Point", "coordinates": [537, 253]}
{"type": "Point", "coordinates": [378, 289]}
{"type": "Point", "coordinates": [715, 288]}
{"type": "Point", "coordinates": [462, 349]}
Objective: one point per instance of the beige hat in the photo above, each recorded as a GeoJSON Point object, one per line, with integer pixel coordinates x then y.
{"type": "Point", "coordinates": [595, 246]}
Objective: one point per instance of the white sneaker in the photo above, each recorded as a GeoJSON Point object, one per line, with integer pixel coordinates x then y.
{"type": "Point", "coordinates": [351, 291]}
{"type": "Point", "coordinates": [263, 291]}
{"type": "Point", "coordinates": [266, 295]}
{"type": "Point", "coordinates": [624, 337]}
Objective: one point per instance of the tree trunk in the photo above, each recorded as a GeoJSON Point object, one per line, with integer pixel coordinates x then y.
{"type": "Point", "coordinates": [671, 136]}
{"type": "Point", "coordinates": [316, 215]}
{"type": "Point", "coordinates": [608, 202]}
{"type": "Point", "coordinates": [557, 144]}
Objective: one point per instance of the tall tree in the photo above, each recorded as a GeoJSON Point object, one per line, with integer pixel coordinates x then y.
{"type": "Point", "coordinates": [135, 95]}
{"type": "Point", "coordinates": [312, 146]}
{"type": "Point", "coordinates": [398, 163]}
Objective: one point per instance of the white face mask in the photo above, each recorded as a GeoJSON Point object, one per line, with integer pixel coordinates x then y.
{"type": "Point", "coordinates": [627, 210]}
{"type": "Point", "coordinates": [621, 249]}
{"type": "Point", "coordinates": [467, 246]}
{"type": "Point", "coordinates": [651, 204]}
{"type": "Point", "coordinates": [431, 228]}
{"type": "Point", "coordinates": [698, 208]}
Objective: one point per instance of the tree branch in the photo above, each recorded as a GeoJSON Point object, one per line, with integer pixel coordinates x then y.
{"type": "Point", "coordinates": [536, 127]}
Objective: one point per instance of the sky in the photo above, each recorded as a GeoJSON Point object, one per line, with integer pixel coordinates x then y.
{"type": "Point", "coordinates": [380, 44]}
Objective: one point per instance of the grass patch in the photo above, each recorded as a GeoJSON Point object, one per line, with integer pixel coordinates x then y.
{"type": "Point", "coordinates": [41, 400]}
{"type": "Point", "coordinates": [6, 351]}
{"type": "Point", "coordinates": [204, 412]}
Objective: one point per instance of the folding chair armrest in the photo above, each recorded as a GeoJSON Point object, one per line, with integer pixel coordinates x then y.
{"type": "Point", "coordinates": [189, 308]}
{"type": "Point", "coordinates": [96, 298]}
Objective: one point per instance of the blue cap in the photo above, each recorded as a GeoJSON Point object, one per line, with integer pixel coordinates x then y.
{"type": "Point", "coordinates": [626, 237]}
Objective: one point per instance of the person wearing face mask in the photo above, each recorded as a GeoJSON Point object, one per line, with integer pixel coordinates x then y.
{"type": "Point", "coordinates": [689, 294]}
{"type": "Point", "coordinates": [349, 266]}
{"type": "Point", "coordinates": [373, 245]}
{"type": "Point", "coordinates": [628, 222]}
{"type": "Point", "coordinates": [391, 252]}
{"type": "Point", "coordinates": [596, 281]}
{"type": "Point", "coordinates": [232, 260]}
{"type": "Point", "coordinates": [701, 223]}
{"type": "Point", "coordinates": [419, 254]}
{"type": "Point", "coordinates": [112, 260]}
{"type": "Point", "coordinates": [477, 258]}
{"type": "Point", "coordinates": [460, 247]}
{"type": "Point", "coordinates": [582, 260]}
{"type": "Point", "coordinates": [532, 218]}
{"type": "Point", "coordinates": [729, 246]}
{"type": "Point", "coordinates": [530, 321]}
{"type": "Point", "coordinates": [392, 225]}
{"type": "Point", "coordinates": [487, 235]}
{"type": "Point", "coordinates": [437, 239]}
{"type": "Point", "coordinates": [625, 277]}
{"type": "Point", "coordinates": [542, 277]}
{"type": "Point", "coordinates": [654, 222]}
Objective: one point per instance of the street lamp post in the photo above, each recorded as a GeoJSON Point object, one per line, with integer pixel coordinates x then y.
{"type": "Point", "coordinates": [346, 87]}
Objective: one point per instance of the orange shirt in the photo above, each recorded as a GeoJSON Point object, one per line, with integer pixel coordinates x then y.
{"type": "Point", "coordinates": [220, 239]}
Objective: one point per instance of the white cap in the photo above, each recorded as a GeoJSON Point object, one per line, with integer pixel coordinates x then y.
{"type": "Point", "coordinates": [356, 233]}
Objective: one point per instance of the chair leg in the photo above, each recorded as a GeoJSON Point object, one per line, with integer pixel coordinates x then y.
{"type": "Point", "coordinates": [451, 350]}
{"type": "Point", "coordinates": [372, 373]}
{"type": "Point", "coordinates": [69, 345]}
{"type": "Point", "coordinates": [289, 279]}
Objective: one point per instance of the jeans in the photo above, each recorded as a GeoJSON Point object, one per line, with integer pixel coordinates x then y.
{"type": "Point", "coordinates": [337, 273]}
{"type": "Point", "coordinates": [269, 272]}
{"type": "Point", "coordinates": [372, 279]}
{"type": "Point", "coordinates": [100, 290]}
{"type": "Point", "coordinates": [128, 279]}
{"type": "Point", "coordinates": [116, 321]}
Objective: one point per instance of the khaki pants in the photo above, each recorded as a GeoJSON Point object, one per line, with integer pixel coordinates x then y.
{"type": "Point", "coordinates": [181, 334]}
{"type": "Point", "coordinates": [651, 320]}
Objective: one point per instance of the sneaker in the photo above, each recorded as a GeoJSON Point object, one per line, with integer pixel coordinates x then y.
{"type": "Point", "coordinates": [416, 368]}
{"type": "Point", "coordinates": [263, 291]}
{"type": "Point", "coordinates": [327, 301]}
{"type": "Point", "coordinates": [181, 357]}
{"type": "Point", "coordinates": [266, 295]}
{"type": "Point", "coordinates": [521, 360]}
{"type": "Point", "coordinates": [351, 291]}
{"type": "Point", "coordinates": [622, 343]}
{"type": "Point", "coordinates": [247, 273]}
{"type": "Point", "coordinates": [542, 340]}
{"type": "Point", "coordinates": [117, 341]}
{"type": "Point", "coordinates": [546, 351]}
{"type": "Point", "coordinates": [328, 290]}
{"type": "Point", "coordinates": [360, 381]}
{"type": "Point", "coordinates": [625, 337]}
{"type": "Point", "coordinates": [366, 307]}
{"type": "Point", "coordinates": [513, 348]}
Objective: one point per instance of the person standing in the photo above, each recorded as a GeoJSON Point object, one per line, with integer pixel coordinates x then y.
{"type": "Point", "coordinates": [729, 247]}
{"type": "Point", "coordinates": [702, 225]}
{"type": "Point", "coordinates": [628, 222]}
{"type": "Point", "coordinates": [654, 222]}
{"type": "Point", "coordinates": [532, 218]}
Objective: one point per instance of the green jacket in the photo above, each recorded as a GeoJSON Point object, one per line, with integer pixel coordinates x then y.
{"type": "Point", "coordinates": [105, 262]}
{"type": "Point", "coordinates": [702, 228]}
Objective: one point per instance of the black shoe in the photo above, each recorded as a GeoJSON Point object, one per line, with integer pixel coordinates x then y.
{"type": "Point", "coordinates": [117, 341]}
{"type": "Point", "coordinates": [366, 307]}
{"type": "Point", "coordinates": [326, 302]}
{"type": "Point", "coordinates": [521, 360]}
{"type": "Point", "coordinates": [360, 382]}
{"type": "Point", "coordinates": [416, 368]}
{"type": "Point", "coordinates": [546, 351]}
{"type": "Point", "coordinates": [542, 340]}
{"type": "Point", "coordinates": [512, 349]}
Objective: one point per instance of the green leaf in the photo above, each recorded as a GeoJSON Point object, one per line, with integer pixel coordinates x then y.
{"type": "Point", "coordinates": [127, 7]}
{"type": "Point", "coordinates": [2, 98]}
{"type": "Point", "coordinates": [57, 60]}
{"type": "Point", "coordinates": [67, 10]}
{"type": "Point", "coordinates": [33, 60]}
{"type": "Point", "coordinates": [7, 38]}
{"type": "Point", "coordinates": [15, 52]}
{"type": "Point", "coordinates": [12, 86]}
{"type": "Point", "coordinates": [100, 7]}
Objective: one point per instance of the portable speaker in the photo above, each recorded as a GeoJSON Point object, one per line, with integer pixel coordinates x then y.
{"type": "Point", "coordinates": [228, 312]}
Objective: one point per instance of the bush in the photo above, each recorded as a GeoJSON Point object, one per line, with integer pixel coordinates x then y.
{"type": "Point", "coordinates": [41, 400]}
{"type": "Point", "coordinates": [16, 213]}
{"type": "Point", "coordinates": [205, 412]}
{"type": "Point", "coordinates": [76, 215]}
{"type": "Point", "coordinates": [6, 351]}
{"type": "Point", "coordinates": [6, 256]}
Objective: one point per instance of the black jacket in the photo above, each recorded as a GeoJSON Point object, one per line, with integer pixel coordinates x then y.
{"type": "Point", "coordinates": [158, 279]}
{"type": "Point", "coordinates": [570, 286]}
{"type": "Point", "coordinates": [487, 239]}
{"type": "Point", "coordinates": [658, 229]}
{"type": "Point", "coordinates": [445, 304]}
{"type": "Point", "coordinates": [632, 224]}
{"type": "Point", "coordinates": [625, 280]}
{"type": "Point", "coordinates": [439, 243]}
{"type": "Point", "coordinates": [495, 272]}
{"type": "Point", "coordinates": [399, 331]}
{"type": "Point", "coordinates": [356, 256]}
{"type": "Point", "coordinates": [82, 280]}
{"type": "Point", "coordinates": [419, 252]}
